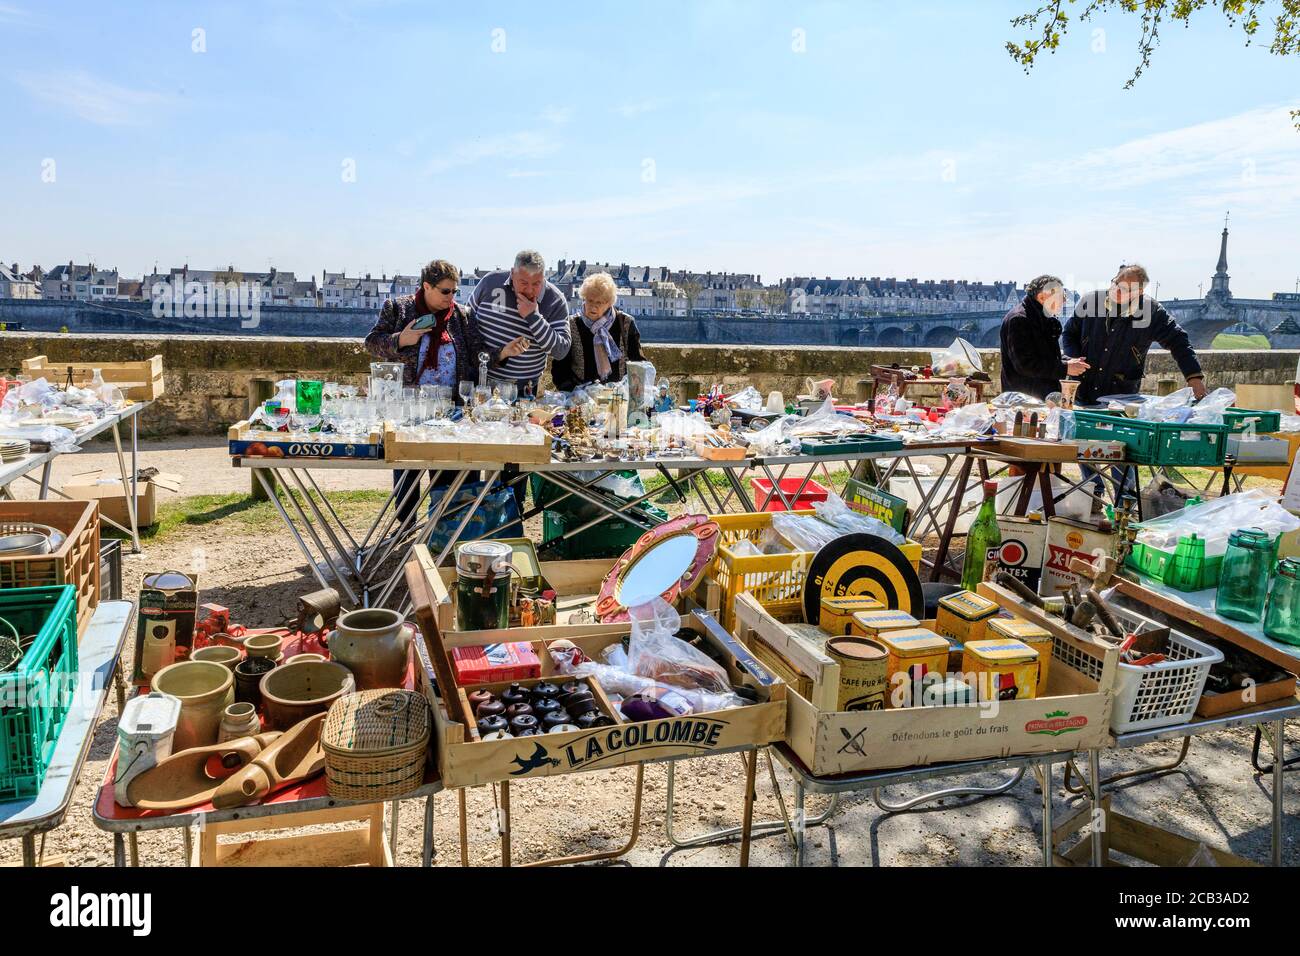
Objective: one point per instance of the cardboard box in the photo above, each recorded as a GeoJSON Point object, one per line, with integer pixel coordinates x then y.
{"type": "Point", "coordinates": [495, 663]}
{"type": "Point", "coordinates": [99, 485]}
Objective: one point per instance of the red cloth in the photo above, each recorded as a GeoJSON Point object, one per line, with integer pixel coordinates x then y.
{"type": "Point", "coordinates": [441, 335]}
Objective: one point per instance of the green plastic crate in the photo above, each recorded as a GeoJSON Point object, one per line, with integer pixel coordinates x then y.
{"type": "Point", "coordinates": [609, 539]}
{"type": "Point", "coordinates": [36, 694]}
{"type": "Point", "coordinates": [1157, 443]}
{"type": "Point", "coordinates": [1160, 566]}
{"type": "Point", "coordinates": [1266, 423]}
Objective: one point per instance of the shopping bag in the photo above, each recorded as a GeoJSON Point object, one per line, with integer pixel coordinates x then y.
{"type": "Point", "coordinates": [497, 515]}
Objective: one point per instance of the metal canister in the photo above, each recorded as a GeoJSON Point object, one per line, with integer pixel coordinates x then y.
{"type": "Point", "coordinates": [483, 586]}
{"type": "Point", "coordinates": [864, 667]}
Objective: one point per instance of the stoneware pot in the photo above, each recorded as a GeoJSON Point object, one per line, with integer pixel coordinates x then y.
{"type": "Point", "coordinates": [264, 645]}
{"type": "Point", "coordinates": [373, 644]}
{"type": "Point", "coordinates": [222, 654]}
{"type": "Point", "coordinates": [248, 679]}
{"type": "Point", "coordinates": [304, 658]}
{"type": "Point", "coordinates": [294, 692]}
{"type": "Point", "coordinates": [238, 720]}
{"type": "Point", "coordinates": [205, 690]}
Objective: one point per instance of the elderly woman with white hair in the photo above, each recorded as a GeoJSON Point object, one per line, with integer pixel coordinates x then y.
{"type": "Point", "coordinates": [605, 339]}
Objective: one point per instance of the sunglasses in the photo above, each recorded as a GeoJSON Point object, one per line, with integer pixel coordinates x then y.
{"type": "Point", "coordinates": [451, 291]}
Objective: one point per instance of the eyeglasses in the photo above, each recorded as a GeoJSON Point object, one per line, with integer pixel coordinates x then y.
{"type": "Point", "coordinates": [451, 291]}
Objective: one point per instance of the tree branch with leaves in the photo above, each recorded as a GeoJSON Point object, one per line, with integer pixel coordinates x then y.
{"type": "Point", "coordinates": [1048, 25]}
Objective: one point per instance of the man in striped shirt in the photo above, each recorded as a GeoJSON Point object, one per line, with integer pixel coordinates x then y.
{"type": "Point", "coordinates": [523, 319]}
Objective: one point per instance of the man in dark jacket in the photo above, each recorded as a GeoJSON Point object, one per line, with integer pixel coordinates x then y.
{"type": "Point", "coordinates": [1114, 329]}
{"type": "Point", "coordinates": [1031, 341]}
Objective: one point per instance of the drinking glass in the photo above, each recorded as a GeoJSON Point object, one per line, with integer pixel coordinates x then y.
{"type": "Point", "coordinates": [509, 392]}
{"type": "Point", "coordinates": [466, 392]}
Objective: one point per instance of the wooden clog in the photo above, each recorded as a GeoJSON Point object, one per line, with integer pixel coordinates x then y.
{"type": "Point", "coordinates": [296, 756]}
{"type": "Point", "coordinates": [185, 779]}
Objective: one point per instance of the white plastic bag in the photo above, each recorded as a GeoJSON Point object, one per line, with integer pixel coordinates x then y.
{"type": "Point", "coordinates": [837, 514]}
{"type": "Point", "coordinates": [959, 360]}
{"type": "Point", "coordinates": [655, 651]}
{"type": "Point", "coordinates": [1214, 520]}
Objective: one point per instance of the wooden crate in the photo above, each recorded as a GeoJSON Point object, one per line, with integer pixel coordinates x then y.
{"type": "Point", "coordinates": [575, 583]}
{"type": "Point", "coordinates": [247, 443]}
{"type": "Point", "coordinates": [1075, 715]}
{"type": "Point", "coordinates": [355, 846]}
{"type": "Point", "coordinates": [75, 563]}
{"type": "Point", "coordinates": [396, 450]}
{"type": "Point", "coordinates": [1137, 839]}
{"type": "Point", "coordinates": [140, 381]}
{"type": "Point", "coordinates": [465, 762]}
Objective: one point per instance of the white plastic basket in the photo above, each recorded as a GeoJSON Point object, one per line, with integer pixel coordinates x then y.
{"type": "Point", "coordinates": [1156, 695]}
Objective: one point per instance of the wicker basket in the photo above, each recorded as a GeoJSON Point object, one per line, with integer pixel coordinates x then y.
{"type": "Point", "coordinates": [375, 744]}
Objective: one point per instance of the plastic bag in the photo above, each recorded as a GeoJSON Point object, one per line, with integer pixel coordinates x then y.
{"type": "Point", "coordinates": [835, 512]}
{"type": "Point", "coordinates": [680, 424]}
{"type": "Point", "coordinates": [1181, 406]}
{"type": "Point", "coordinates": [1014, 400]}
{"type": "Point", "coordinates": [654, 651]}
{"type": "Point", "coordinates": [959, 360]}
{"type": "Point", "coordinates": [804, 532]}
{"type": "Point", "coordinates": [970, 420]}
{"type": "Point", "coordinates": [498, 511]}
{"type": "Point", "coordinates": [1214, 520]}
{"type": "Point", "coordinates": [748, 398]}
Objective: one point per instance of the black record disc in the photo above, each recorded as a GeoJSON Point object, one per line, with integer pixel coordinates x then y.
{"type": "Point", "coordinates": [862, 565]}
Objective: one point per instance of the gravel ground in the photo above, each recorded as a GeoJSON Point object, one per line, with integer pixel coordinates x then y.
{"type": "Point", "coordinates": [254, 569]}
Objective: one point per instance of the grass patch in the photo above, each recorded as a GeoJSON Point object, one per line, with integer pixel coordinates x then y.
{"type": "Point", "coordinates": [242, 514]}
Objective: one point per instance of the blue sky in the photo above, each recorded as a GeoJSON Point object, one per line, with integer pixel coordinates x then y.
{"type": "Point", "coordinates": [901, 140]}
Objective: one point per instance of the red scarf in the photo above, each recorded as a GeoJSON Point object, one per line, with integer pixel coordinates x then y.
{"type": "Point", "coordinates": [440, 335]}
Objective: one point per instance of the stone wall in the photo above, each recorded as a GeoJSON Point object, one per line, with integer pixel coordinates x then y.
{"type": "Point", "coordinates": [209, 379]}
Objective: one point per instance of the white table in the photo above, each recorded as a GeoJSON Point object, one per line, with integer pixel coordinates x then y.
{"type": "Point", "coordinates": [100, 655]}
{"type": "Point", "coordinates": [25, 466]}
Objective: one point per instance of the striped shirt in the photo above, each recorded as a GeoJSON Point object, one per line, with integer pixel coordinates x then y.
{"type": "Point", "coordinates": [496, 310]}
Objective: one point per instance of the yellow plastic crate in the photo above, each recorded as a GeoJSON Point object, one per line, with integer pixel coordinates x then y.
{"type": "Point", "coordinates": [775, 580]}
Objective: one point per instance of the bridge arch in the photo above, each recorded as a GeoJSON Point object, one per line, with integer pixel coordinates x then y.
{"type": "Point", "coordinates": [939, 337]}
{"type": "Point", "coordinates": [892, 337]}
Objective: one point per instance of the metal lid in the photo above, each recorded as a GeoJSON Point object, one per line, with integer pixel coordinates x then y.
{"type": "Point", "coordinates": [1250, 538]}
{"type": "Point", "coordinates": [168, 581]}
{"type": "Point", "coordinates": [153, 715]}
{"type": "Point", "coordinates": [476, 558]}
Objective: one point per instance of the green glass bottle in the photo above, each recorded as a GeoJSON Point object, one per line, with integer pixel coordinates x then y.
{"type": "Point", "coordinates": [983, 541]}
{"type": "Point", "coordinates": [1243, 581]}
{"type": "Point", "coordinates": [1282, 618]}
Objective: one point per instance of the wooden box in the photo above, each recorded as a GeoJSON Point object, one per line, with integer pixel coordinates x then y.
{"type": "Point", "coordinates": [1075, 714]}
{"type": "Point", "coordinates": [465, 762]}
{"type": "Point", "coordinates": [248, 443]}
{"type": "Point", "coordinates": [398, 450]}
{"type": "Point", "coordinates": [76, 562]}
{"type": "Point", "coordinates": [140, 381]}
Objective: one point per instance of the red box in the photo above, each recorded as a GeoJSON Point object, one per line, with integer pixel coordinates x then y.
{"type": "Point", "coordinates": [765, 499]}
{"type": "Point", "coordinates": [494, 663]}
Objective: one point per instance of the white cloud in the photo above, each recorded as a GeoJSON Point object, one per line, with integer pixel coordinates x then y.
{"type": "Point", "coordinates": [92, 99]}
{"type": "Point", "coordinates": [522, 145]}
{"type": "Point", "coordinates": [558, 115]}
{"type": "Point", "coordinates": [632, 110]}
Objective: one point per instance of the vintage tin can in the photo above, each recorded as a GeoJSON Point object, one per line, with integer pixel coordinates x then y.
{"type": "Point", "coordinates": [874, 623]}
{"type": "Point", "coordinates": [917, 657]}
{"type": "Point", "coordinates": [1001, 670]}
{"type": "Point", "coordinates": [963, 616]}
{"type": "Point", "coordinates": [837, 612]}
{"type": "Point", "coordinates": [1040, 639]}
{"type": "Point", "coordinates": [864, 667]}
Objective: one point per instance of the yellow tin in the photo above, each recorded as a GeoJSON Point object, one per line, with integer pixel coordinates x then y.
{"type": "Point", "coordinates": [1001, 670]}
{"type": "Point", "coordinates": [863, 665]}
{"type": "Point", "coordinates": [837, 612]}
{"type": "Point", "coordinates": [874, 623]}
{"type": "Point", "coordinates": [914, 654]}
{"type": "Point", "coordinates": [964, 615]}
{"type": "Point", "coordinates": [1040, 639]}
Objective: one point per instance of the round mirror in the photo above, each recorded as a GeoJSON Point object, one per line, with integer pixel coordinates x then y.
{"type": "Point", "coordinates": [658, 569]}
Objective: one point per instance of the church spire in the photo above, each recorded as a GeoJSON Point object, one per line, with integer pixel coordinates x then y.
{"type": "Point", "coordinates": [1220, 281]}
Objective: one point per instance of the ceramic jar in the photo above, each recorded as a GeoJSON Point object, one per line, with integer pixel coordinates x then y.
{"type": "Point", "coordinates": [248, 679]}
{"type": "Point", "coordinates": [374, 644]}
{"type": "Point", "coordinates": [238, 720]}
{"type": "Point", "coordinates": [264, 645]}
{"type": "Point", "coordinates": [222, 654]}
{"type": "Point", "coordinates": [294, 692]}
{"type": "Point", "coordinates": [205, 690]}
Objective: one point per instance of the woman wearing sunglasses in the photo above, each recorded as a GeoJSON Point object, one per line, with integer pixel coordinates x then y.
{"type": "Point", "coordinates": [437, 341]}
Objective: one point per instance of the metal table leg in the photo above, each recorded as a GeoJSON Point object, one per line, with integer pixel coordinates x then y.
{"type": "Point", "coordinates": [1097, 824]}
{"type": "Point", "coordinates": [29, 849]}
{"type": "Point", "coordinates": [127, 483]}
{"type": "Point", "coordinates": [428, 851]}
{"type": "Point", "coordinates": [800, 830]}
{"type": "Point", "coordinates": [293, 529]}
{"type": "Point", "coordinates": [1279, 732]}
{"type": "Point", "coordinates": [906, 805]}
{"type": "Point", "coordinates": [1049, 851]}
{"type": "Point", "coordinates": [119, 850]}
